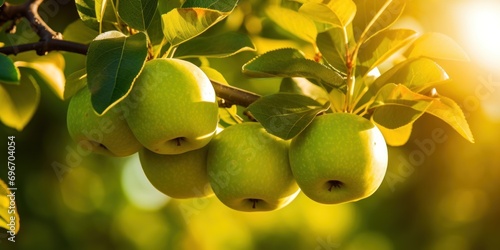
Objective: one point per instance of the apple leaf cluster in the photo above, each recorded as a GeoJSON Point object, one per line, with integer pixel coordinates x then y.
{"type": "Point", "coordinates": [355, 70]}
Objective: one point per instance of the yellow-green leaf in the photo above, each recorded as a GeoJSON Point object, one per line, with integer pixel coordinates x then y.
{"type": "Point", "coordinates": [48, 68]}
{"type": "Point", "coordinates": [221, 45]}
{"type": "Point", "coordinates": [339, 13]}
{"type": "Point", "coordinates": [437, 46]}
{"type": "Point", "coordinates": [373, 16]}
{"type": "Point", "coordinates": [76, 81]}
{"type": "Point", "coordinates": [394, 137]}
{"type": "Point", "coordinates": [286, 114]}
{"type": "Point", "coordinates": [8, 212]}
{"type": "Point", "coordinates": [18, 103]}
{"type": "Point", "coordinates": [227, 115]}
{"type": "Point", "coordinates": [182, 24]}
{"type": "Point", "coordinates": [382, 46]}
{"type": "Point", "coordinates": [293, 22]}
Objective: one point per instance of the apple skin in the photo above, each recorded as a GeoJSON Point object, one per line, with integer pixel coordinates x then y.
{"type": "Point", "coordinates": [172, 107]}
{"type": "Point", "coordinates": [108, 134]}
{"type": "Point", "coordinates": [179, 176]}
{"type": "Point", "coordinates": [248, 169]}
{"type": "Point", "coordinates": [339, 158]}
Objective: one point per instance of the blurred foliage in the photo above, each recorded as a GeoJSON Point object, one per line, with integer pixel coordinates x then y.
{"type": "Point", "coordinates": [438, 194]}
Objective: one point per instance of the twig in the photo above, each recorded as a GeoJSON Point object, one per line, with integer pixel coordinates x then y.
{"type": "Point", "coordinates": [29, 10]}
{"type": "Point", "coordinates": [43, 47]}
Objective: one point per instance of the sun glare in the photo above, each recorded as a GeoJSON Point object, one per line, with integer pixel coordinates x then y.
{"type": "Point", "coordinates": [481, 30]}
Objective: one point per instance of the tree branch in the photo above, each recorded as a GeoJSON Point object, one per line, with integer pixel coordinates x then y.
{"type": "Point", "coordinates": [29, 10]}
{"type": "Point", "coordinates": [51, 41]}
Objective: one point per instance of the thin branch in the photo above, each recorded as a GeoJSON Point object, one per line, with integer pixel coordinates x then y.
{"type": "Point", "coordinates": [43, 47]}
{"type": "Point", "coordinates": [234, 95]}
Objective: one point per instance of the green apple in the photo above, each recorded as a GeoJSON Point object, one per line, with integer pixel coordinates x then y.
{"type": "Point", "coordinates": [108, 134]}
{"type": "Point", "coordinates": [178, 176]}
{"type": "Point", "coordinates": [248, 169]}
{"type": "Point", "coordinates": [339, 158]}
{"type": "Point", "coordinates": [172, 107]}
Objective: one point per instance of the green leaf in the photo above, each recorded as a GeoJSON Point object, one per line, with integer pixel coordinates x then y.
{"type": "Point", "coordinates": [9, 73]}
{"type": "Point", "coordinates": [417, 74]}
{"type": "Point", "coordinates": [155, 33]}
{"type": "Point", "coordinates": [381, 47]}
{"type": "Point", "coordinates": [293, 22]}
{"type": "Point", "coordinates": [285, 114]}
{"type": "Point", "coordinates": [441, 107]}
{"type": "Point", "coordinates": [437, 46]}
{"type": "Point", "coordinates": [222, 45]}
{"type": "Point", "coordinates": [393, 136]}
{"type": "Point", "coordinates": [449, 111]}
{"type": "Point", "coordinates": [77, 31]}
{"type": "Point", "coordinates": [332, 46]}
{"type": "Point", "coordinates": [290, 62]}
{"type": "Point", "coordinates": [220, 5]}
{"type": "Point", "coordinates": [18, 103]}
{"type": "Point", "coordinates": [138, 14]}
{"type": "Point", "coordinates": [76, 81]}
{"type": "Point", "coordinates": [375, 16]}
{"type": "Point", "coordinates": [105, 10]}
{"type": "Point", "coordinates": [113, 63]}
{"type": "Point", "coordinates": [227, 115]}
{"type": "Point", "coordinates": [304, 87]}
{"type": "Point", "coordinates": [48, 69]}
{"type": "Point", "coordinates": [5, 207]}
{"type": "Point", "coordinates": [339, 13]}
{"type": "Point", "coordinates": [2, 2]}
{"type": "Point", "coordinates": [180, 25]}
{"type": "Point", "coordinates": [96, 14]}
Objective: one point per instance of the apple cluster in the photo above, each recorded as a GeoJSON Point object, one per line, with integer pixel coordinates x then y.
{"type": "Point", "coordinates": [171, 118]}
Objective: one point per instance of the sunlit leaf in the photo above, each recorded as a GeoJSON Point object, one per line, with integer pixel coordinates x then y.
{"type": "Point", "coordinates": [9, 73]}
{"type": "Point", "coordinates": [6, 210]}
{"type": "Point", "coordinates": [113, 63]}
{"type": "Point", "coordinates": [416, 74]}
{"type": "Point", "coordinates": [449, 111]}
{"type": "Point", "coordinates": [303, 86]}
{"type": "Point", "coordinates": [396, 136]}
{"type": "Point", "coordinates": [48, 69]}
{"type": "Point", "coordinates": [337, 12]}
{"type": "Point", "coordinates": [182, 24]}
{"type": "Point", "coordinates": [375, 16]}
{"type": "Point", "coordinates": [381, 47]}
{"type": "Point", "coordinates": [138, 14]}
{"type": "Point", "coordinates": [293, 22]}
{"type": "Point", "coordinates": [437, 46]}
{"type": "Point", "coordinates": [74, 82]}
{"type": "Point", "coordinates": [226, 115]}
{"type": "Point", "coordinates": [332, 46]}
{"type": "Point", "coordinates": [77, 31]}
{"type": "Point", "coordinates": [96, 14]}
{"type": "Point", "coordinates": [291, 63]}
{"type": "Point", "coordinates": [286, 114]}
{"type": "Point", "coordinates": [18, 103]}
{"type": "Point", "coordinates": [222, 45]}
{"type": "Point", "coordinates": [220, 5]}
{"type": "Point", "coordinates": [155, 33]}
{"type": "Point", "coordinates": [441, 107]}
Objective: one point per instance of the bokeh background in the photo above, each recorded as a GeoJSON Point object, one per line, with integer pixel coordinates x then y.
{"type": "Point", "coordinates": [438, 194]}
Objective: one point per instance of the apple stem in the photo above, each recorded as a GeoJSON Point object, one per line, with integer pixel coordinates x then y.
{"type": "Point", "coordinates": [336, 184]}
{"type": "Point", "coordinates": [254, 202]}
